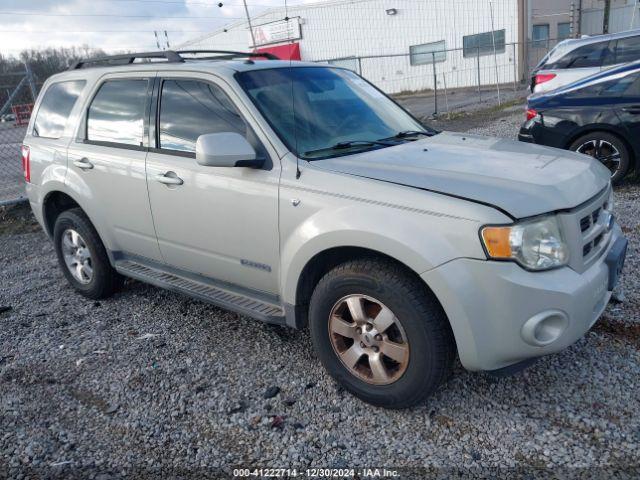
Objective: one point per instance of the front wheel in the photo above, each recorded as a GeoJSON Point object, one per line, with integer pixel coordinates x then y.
{"type": "Point", "coordinates": [380, 333]}
{"type": "Point", "coordinates": [608, 150]}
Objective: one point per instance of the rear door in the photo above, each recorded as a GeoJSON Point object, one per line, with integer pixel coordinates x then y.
{"type": "Point", "coordinates": [107, 163]}
{"type": "Point", "coordinates": [220, 222]}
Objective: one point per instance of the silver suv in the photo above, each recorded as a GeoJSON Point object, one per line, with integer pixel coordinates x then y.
{"type": "Point", "coordinates": [301, 195]}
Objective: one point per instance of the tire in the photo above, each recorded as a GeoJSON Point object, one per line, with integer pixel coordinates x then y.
{"type": "Point", "coordinates": [104, 281]}
{"type": "Point", "coordinates": [586, 144]}
{"type": "Point", "coordinates": [423, 325]}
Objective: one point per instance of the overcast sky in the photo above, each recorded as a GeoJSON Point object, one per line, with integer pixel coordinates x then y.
{"type": "Point", "coordinates": [114, 24]}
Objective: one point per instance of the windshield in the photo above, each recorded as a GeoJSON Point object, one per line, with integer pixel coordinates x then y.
{"type": "Point", "coordinates": [321, 112]}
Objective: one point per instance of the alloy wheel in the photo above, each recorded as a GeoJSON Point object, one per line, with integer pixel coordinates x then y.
{"type": "Point", "coordinates": [368, 339]}
{"type": "Point", "coordinates": [77, 256]}
{"type": "Point", "coordinates": [603, 151]}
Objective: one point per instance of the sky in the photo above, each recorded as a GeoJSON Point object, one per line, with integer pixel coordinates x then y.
{"type": "Point", "coordinates": [115, 25]}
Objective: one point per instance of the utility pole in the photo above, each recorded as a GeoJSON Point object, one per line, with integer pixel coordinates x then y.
{"type": "Point", "coordinates": [253, 38]}
{"type": "Point", "coordinates": [605, 18]}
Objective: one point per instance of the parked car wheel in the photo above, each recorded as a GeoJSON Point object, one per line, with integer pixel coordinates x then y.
{"type": "Point", "coordinates": [380, 333]}
{"type": "Point", "coordinates": [608, 149]}
{"type": "Point", "coordinates": [82, 256]}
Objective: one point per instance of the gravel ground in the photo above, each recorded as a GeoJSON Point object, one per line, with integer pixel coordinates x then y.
{"type": "Point", "coordinates": [151, 383]}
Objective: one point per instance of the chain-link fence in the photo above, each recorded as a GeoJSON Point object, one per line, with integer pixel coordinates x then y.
{"type": "Point", "coordinates": [442, 81]}
{"type": "Point", "coordinates": [17, 95]}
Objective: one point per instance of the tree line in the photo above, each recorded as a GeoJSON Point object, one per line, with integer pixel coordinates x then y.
{"type": "Point", "coordinates": [42, 62]}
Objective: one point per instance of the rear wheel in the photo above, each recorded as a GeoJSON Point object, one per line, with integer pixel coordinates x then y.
{"type": "Point", "coordinates": [82, 256]}
{"type": "Point", "coordinates": [608, 149]}
{"type": "Point", "coordinates": [380, 333]}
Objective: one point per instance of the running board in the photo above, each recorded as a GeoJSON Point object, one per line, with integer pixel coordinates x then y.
{"type": "Point", "coordinates": [221, 297]}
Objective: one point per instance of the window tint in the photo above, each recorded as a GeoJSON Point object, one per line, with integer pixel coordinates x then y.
{"type": "Point", "coordinates": [190, 108]}
{"type": "Point", "coordinates": [564, 30]}
{"type": "Point", "coordinates": [116, 113]}
{"type": "Point", "coordinates": [585, 56]}
{"type": "Point", "coordinates": [56, 105]}
{"type": "Point", "coordinates": [540, 35]}
{"type": "Point", "coordinates": [628, 86]}
{"type": "Point", "coordinates": [482, 43]}
{"type": "Point", "coordinates": [427, 53]}
{"type": "Point", "coordinates": [628, 50]}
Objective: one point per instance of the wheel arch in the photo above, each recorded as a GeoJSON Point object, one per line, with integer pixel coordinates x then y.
{"type": "Point", "coordinates": [54, 203]}
{"type": "Point", "coordinates": [324, 261]}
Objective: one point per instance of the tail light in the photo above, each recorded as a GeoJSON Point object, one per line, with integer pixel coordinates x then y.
{"type": "Point", "coordinates": [26, 162]}
{"type": "Point", "coordinates": [531, 114]}
{"type": "Point", "coordinates": [544, 77]}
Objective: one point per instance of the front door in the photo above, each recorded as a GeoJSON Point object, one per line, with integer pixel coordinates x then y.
{"type": "Point", "coordinates": [220, 222]}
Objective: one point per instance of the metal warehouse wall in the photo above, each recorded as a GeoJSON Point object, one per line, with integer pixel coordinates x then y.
{"type": "Point", "coordinates": [361, 28]}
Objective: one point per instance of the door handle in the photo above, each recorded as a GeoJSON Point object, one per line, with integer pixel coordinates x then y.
{"type": "Point", "coordinates": [83, 163]}
{"type": "Point", "coordinates": [633, 109]}
{"type": "Point", "coordinates": [169, 178]}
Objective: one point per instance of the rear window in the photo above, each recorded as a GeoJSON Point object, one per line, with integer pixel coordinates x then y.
{"type": "Point", "coordinates": [116, 114]}
{"type": "Point", "coordinates": [54, 110]}
{"type": "Point", "coordinates": [582, 57]}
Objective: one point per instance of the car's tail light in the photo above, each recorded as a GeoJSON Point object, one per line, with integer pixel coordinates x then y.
{"type": "Point", "coordinates": [531, 114]}
{"type": "Point", "coordinates": [26, 162]}
{"type": "Point", "coordinates": [544, 77]}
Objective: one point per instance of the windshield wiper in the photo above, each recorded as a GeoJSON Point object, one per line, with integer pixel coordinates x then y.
{"type": "Point", "coordinates": [411, 133]}
{"type": "Point", "coordinates": [350, 144]}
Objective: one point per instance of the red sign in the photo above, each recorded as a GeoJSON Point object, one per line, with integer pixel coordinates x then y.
{"type": "Point", "coordinates": [290, 51]}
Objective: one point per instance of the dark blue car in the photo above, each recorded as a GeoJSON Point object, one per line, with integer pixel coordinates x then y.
{"type": "Point", "coordinates": [597, 116]}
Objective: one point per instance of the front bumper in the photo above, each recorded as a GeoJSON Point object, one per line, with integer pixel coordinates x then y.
{"type": "Point", "coordinates": [502, 315]}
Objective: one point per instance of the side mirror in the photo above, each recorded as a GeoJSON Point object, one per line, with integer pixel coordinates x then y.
{"type": "Point", "coordinates": [226, 149]}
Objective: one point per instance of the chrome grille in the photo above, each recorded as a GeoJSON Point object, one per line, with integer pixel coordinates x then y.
{"type": "Point", "coordinates": [587, 234]}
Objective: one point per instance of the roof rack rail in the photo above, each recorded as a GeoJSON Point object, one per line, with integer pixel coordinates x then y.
{"type": "Point", "coordinates": [170, 55]}
{"type": "Point", "coordinates": [224, 54]}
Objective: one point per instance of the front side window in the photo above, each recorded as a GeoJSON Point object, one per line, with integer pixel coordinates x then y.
{"type": "Point", "coordinates": [56, 105]}
{"type": "Point", "coordinates": [116, 114]}
{"type": "Point", "coordinates": [483, 43]}
{"type": "Point", "coordinates": [427, 53]}
{"type": "Point", "coordinates": [190, 108]}
{"type": "Point", "coordinates": [316, 109]}
{"type": "Point", "coordinates": [586, 56]}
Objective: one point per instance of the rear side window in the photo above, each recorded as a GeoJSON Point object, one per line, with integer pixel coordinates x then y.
{"type": "Point", "coordinates": [627, 50]}
{"type": "Point", "coordinates": [116, 114]}
{"type": "Point", "coordinates": [56, 105]}
{"type": "Point", "coordinates": [190, 108]}
{"type": "Point", "coordinates": [582, 57]}
{"type": "Point", "coordinates": [628, 86]}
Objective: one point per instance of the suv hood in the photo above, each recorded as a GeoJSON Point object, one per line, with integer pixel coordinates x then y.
{"type": "Point", "coordinates": [519, 178]}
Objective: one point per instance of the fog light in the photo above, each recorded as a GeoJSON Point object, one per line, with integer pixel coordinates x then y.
{"type": "Point", "coordinates": [544, 328]}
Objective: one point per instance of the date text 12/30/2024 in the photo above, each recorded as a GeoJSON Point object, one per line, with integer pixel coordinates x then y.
{"type": "Point", "coordinates": [315, 473]}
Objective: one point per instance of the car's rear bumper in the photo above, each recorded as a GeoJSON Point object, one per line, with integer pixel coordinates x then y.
{"type": "Point", "coordinates": [502, 315]}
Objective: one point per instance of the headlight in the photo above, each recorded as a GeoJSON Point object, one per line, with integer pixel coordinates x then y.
{"type": "Point", "coordinates": [610, 202]}
{"type": "Point", "coordinates": [535, 244]}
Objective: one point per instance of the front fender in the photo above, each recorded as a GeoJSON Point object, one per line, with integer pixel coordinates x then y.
{"type": "Point", "coordinates": [421, 241]}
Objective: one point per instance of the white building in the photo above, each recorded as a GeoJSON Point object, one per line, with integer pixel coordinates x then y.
{"type": "Point", "coordinates": [393, 43]}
